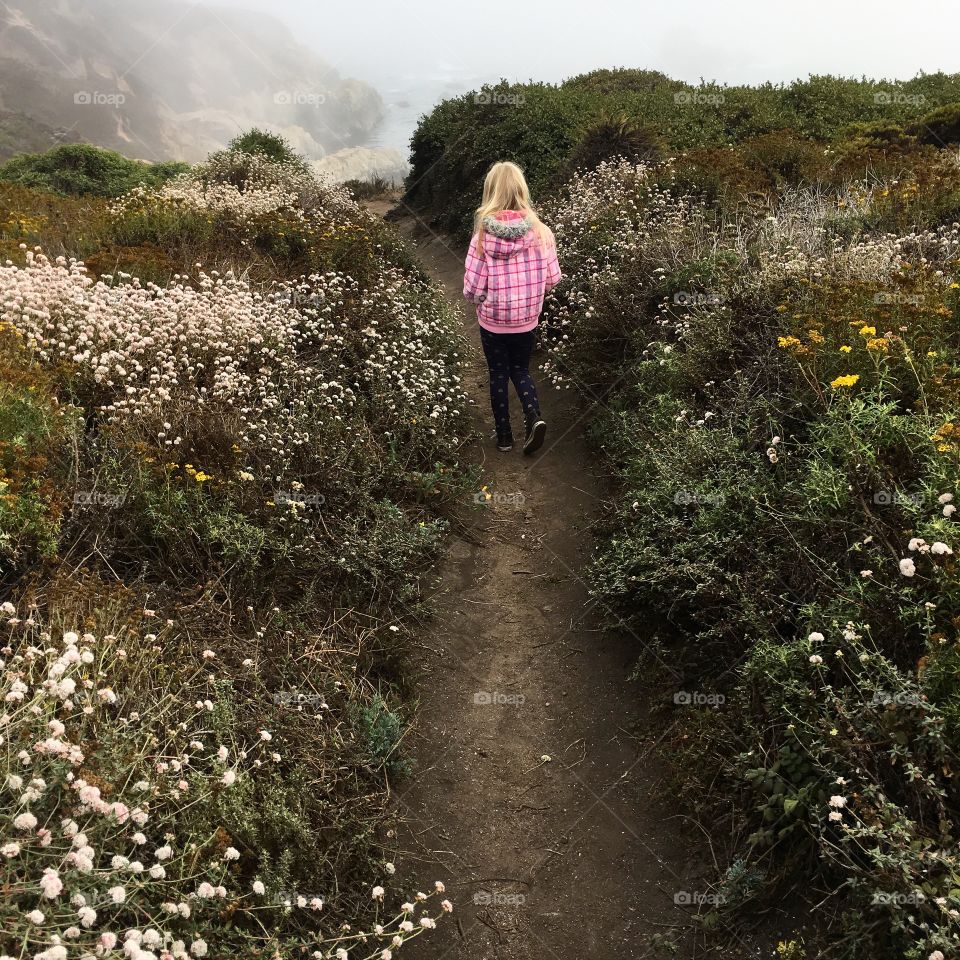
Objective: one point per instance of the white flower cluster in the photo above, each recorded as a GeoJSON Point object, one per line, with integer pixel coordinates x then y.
{"type": "Point", "coordinates": [141, 346]}
{"type": "Point", "coordinates": [938, 548]}
{"type": "Point", "coordinates": [98, 857]}
{"type": "Point", "coordinates": [285, 365]}
{"type": "Point", "coordinates": [243, 187]}
{"type": "Point", "coordinates": [84, 854]}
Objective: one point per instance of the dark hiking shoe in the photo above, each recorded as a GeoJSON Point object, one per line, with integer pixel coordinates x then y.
{"type": "Point", "coordinates": [504, 441]}
{"type": "Point", "coordinates": [536, 431]}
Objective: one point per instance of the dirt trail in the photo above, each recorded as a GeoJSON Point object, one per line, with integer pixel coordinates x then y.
{"type": "Point", "coordinates": [580, 855]}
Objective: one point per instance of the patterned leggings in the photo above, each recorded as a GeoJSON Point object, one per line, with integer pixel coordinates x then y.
{"type": "Point", "coordinates": [508, 357]}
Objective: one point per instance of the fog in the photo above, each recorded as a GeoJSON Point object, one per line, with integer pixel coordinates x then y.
{"type": "Point", "coordinates": [420, 51]}
{"type": "Point", "coordinates": [346, 80]}
{"type": "Point", "coordinates": [735, 40]}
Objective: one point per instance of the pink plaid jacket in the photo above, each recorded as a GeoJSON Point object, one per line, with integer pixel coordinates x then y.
{"type": "Point", "coordinates": [508, 283]}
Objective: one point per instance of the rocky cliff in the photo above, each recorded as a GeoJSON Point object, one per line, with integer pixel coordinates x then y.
{"type": "Point", "coordinates": [172, 80]}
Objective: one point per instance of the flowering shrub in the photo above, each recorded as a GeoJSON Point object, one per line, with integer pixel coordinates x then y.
{"type": "Point", "coordinates": [240, 186]}
{"type": "Point", "coordinates": [113, 831]}
{"type": "Point", "coordinates": [262, 449]}
{"type": "Point", "coordinates": [138, 351]}
{"type": "Point", "coordinates": [777, 394]}
{"type": "Point", "coordinates": [79, 169]}
{"type": "Point", "coordinates": [286, 373]}
{"type": "Point", "coordinates": [256, 206]}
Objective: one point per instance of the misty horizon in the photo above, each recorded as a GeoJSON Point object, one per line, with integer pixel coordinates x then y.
{"type": "Point", "coordinates": [417, 55]}
{"type": "Point", "coordinates": [277, 65]}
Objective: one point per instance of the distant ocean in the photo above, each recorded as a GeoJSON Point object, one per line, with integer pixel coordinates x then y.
{"type": "Point", "coordinates": [407, 100]}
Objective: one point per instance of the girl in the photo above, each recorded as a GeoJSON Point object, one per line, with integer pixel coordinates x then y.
{"type": "Point", "coordinates": [511, 265]}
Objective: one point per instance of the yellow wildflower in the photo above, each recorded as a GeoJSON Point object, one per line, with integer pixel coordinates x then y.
{"type": "Point", "coordinates": [845, 349]}
{"type": "Point", "coordinates": [201, 477]}
{"type": "Point", "coordinates": [847, 381]}
{"type": "Point", "coordinates": [878, 343]}
{"type": "Point", "coordinates": [815, 336]}
{"type": "Point", "coordinates": [866, 331]}
{"type": "Point", "coordinates": [788, 342]}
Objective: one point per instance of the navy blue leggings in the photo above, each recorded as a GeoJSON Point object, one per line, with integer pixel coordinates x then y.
{"type": "Point", "coordinates": [508, 357]}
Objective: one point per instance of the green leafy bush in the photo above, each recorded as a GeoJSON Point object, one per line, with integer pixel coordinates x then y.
{"type": "Point", "coordinates": [544, 127]}
{"type": "Point", "coordinates": [79, 169]}
{"type": "Point", "coordinates": [269, 145]}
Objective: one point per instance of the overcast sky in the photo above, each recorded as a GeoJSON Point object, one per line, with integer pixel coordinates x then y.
{"type": "Point", "coordinates": [731, 41]}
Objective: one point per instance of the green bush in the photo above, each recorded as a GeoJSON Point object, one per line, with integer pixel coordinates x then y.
{"type": "Point", "coordinates": [269, 145]}
{"type": "Point", "coordinates": [78, 169]}
{"type": "Point", "coordinates": [543, 126]}
{"type": "Point", "coordinates": [35, 470]}
{"type": "Point", "coordinates": [613, 137]}
{"type": "Point", "coordinates": [940, 127]}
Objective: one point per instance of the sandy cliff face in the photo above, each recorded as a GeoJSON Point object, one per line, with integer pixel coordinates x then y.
{"type": "Point", "coordinates": [173, 80]}
{"type": "Point", "coordinates": [365, 163]}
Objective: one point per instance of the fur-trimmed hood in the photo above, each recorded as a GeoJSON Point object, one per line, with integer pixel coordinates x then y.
{"type": "Point", "coordinates": [507, 234]}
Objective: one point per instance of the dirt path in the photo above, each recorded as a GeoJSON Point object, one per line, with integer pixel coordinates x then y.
{"type": "Point", "coordinates": [533, 798]}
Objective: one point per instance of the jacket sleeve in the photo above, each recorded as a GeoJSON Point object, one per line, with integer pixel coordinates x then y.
{"type": "Point", "coordinates": [554, 276]}
{"type": "Point", "coordinates": [475, 278]}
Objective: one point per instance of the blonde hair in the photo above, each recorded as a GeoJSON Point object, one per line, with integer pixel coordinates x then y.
{"type": "Point", "coordinates": [505, 188]}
